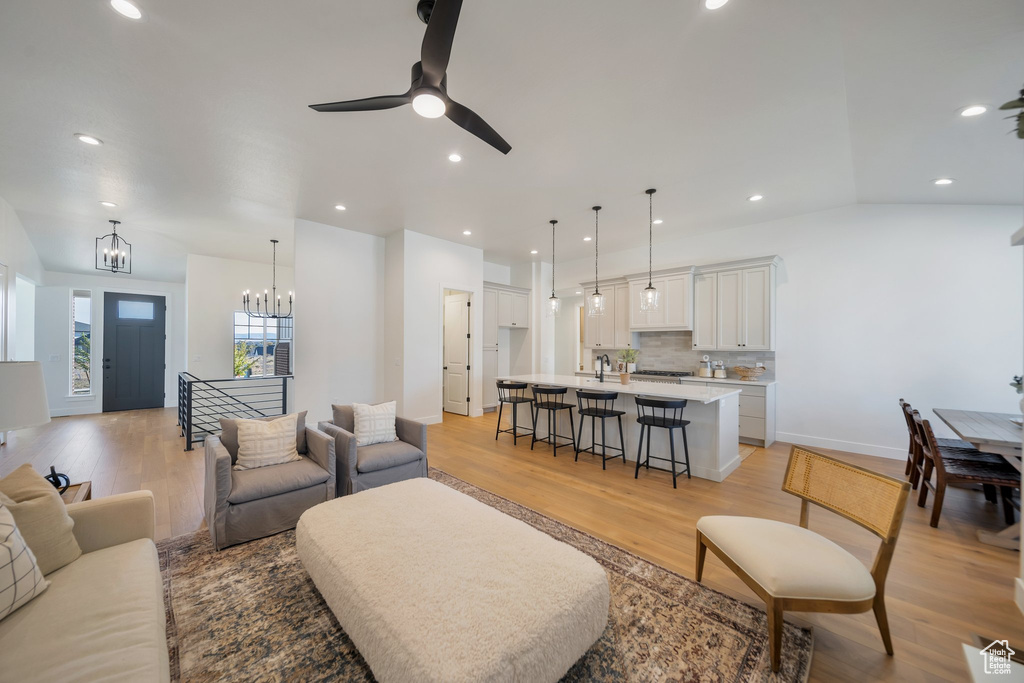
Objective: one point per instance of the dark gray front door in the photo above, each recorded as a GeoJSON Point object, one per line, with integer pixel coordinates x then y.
{"type": "Point", "coordinates": [133, 351]}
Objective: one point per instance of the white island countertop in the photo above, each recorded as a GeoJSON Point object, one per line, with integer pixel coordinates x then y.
{"type": "Point", "coordinates": [690, 392]}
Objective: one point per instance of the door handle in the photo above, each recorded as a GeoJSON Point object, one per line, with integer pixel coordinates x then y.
{"type": "Point", "coordinates": [106, 367]}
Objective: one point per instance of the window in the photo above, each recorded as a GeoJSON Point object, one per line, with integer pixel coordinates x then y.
{"type": "Point", "coordinates": [81, 342]}
{"type": "Point", "coordinates": [135, 310]}
{"type": "Point", "coordinates": [256, 340]}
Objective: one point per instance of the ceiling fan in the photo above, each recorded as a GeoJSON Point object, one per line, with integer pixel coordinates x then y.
{"type": "Point", "coordinates": [428, 93]}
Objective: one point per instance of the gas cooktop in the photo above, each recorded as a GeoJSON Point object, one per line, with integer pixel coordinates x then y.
{"type": "Point", "coordinates": [664, 373]}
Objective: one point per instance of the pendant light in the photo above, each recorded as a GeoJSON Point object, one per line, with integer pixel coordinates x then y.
{"type": "Point", "coordinates": [116, 252]}
{"type": "Point", "coordinates": [554, 303]}
{"type": "Point", "coordinates": [595, 302]}
{"type": "Point", "coordinates": [271, 301]}
{"type": "Point", "coordinates": [649, 297]}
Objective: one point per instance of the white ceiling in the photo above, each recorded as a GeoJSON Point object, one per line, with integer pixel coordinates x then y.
{"type": "Point", "coordinates": [210, 148]}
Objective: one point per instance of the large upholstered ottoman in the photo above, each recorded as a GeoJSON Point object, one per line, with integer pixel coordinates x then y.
{"type": "Point", "coordinates": [432, 585]}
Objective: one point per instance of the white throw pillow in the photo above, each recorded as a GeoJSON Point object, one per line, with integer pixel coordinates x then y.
{"type": "Point", "coordinates": [261, 443]}
{"type": "Point", "coordinates": [374, 424]}
{"type": "Point", "coordinates": [20, 578]}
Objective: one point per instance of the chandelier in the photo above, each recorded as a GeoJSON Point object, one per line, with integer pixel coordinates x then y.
{"type": "Point", "coordinates": [271, 299]}
{"type": "Point", "coordinates": [116, 252]}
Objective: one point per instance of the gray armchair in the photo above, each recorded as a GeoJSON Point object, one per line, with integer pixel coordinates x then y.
{"type": "Point", "coordinates": [243, 505]}
{"type": "Point", "coordinates": [366, 467]}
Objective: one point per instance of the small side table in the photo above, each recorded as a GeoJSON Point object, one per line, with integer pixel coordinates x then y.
{"type": "Point", "coordinates": [76, 493]}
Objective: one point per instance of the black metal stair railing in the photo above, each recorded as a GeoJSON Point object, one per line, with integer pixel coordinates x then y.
{"type": "Point", "coordinates": [203, 402]}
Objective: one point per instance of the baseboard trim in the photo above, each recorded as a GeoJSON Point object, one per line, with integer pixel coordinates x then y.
{"type": "Point", "coordinates": [848, 446]}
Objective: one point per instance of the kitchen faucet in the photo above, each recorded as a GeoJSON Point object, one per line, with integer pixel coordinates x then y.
{"type": "Point", "coordinates": [604, 359]}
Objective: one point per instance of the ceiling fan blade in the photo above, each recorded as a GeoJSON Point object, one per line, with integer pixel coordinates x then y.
{"type": "Point", "coordinates": [468, 119]}
{"type": "Point", "coordinates": [437, 41]}
{"type": "Point", "coordinates": [366, 104]}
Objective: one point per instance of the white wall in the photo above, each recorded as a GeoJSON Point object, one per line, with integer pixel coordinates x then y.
{"type": "Point", "coordinates": [497, 273]}
{"type": "Point", "coordinates": [53, 335]}
{"type": "Point", "coordinates": [432, 265]}
{"type": "Point", "coordinates": [567, 336]}
{"type": "Point", "coordinates": [24, 332]}
{"type": "Point", "coordinates": [875, 303]}
{"type": "Point", "coordinates": [338, 276]}
{"type": "Point", "coordinates": [213, 288]}
{"type": "Point", "coordinates": [21, 259]}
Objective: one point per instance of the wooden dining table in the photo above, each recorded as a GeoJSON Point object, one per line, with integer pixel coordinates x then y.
{"type": "Point", "coordinates": [990, 433]}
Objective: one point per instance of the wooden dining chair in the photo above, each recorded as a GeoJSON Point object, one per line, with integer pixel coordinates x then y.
{"type": "Point", "coordinates": [956, 447]}
{"type": "Point", "coordinates": [993, 471]}
{"type": "Point", "coordinates": [792, 568]}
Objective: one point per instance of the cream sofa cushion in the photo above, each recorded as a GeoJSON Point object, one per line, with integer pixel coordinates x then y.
{"type": "Point", "coordinates": [42, 518]}
{"type": "Point", "coordinates": [101, 619]}
{"type": "Point", "coordinates": [262, 443]}
{"type": "Point", "coordinates": [789, 561]}
{"type": "Point", "coordinates": [20, 578]}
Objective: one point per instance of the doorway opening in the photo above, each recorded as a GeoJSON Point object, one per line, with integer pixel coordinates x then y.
{"type": "Point", "coordinates": [134, 339]}
{"type": "Point", "coordinates": [457, 339]}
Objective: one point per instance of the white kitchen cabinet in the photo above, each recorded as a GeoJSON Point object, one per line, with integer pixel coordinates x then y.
{"type": "Point", "coordinates": [490, 375]}
{"type": "Point", "coordinates": [756, 413]}
{"type": "Point", "coordinates": [610, 330]}
{"type": "Point", "coordinates": [705, 312]}
{"type": "Point", "coordinates": [490, 315]}
{"type": "Point", "coordinates": [520, 310]}
{"type": "Point", "coordinates": [734, 308]}
{"type": "Point", "coordinates": [675, 302]}
{"type": "Point", "coordinates": [504, 309]}
{"type": "Point", "coordinates": [513, 309]}
{"type": "Point", "coordinates": [622, 337]}
{"type": "Point", "coordinates": [730, 310]}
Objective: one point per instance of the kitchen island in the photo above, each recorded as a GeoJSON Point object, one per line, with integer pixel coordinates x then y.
{"type": "Point", "coordinates": [713, 412]}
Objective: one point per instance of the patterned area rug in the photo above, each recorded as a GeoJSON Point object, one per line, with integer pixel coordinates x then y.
{"type": "Point", "coordinates": [252, 613]}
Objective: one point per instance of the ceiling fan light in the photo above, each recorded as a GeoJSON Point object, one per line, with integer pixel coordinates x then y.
{"type": "Point", "coordinates": [126, 9]}
{"type": "Point", "coordinates": [714, 4]}
{"type": "Point", "coordinates": [429, 105]}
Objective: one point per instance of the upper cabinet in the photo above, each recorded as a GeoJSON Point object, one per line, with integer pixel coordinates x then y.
{"type": "Point", "coordinates": [610, 330]}
{"type": "Point", "coordinates": [513, 308]}
{"type": "Point", "coordinates": [675, 301]}
{"type": "Point", "coordinates": [734, 307]}
{"type": "Point", "coordinates": [490, 319]}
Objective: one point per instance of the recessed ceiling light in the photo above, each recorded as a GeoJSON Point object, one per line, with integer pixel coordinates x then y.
{"type": "Point", "coordinates": [339, 207]}
{"type": "Point", "coordinates": [974, 110]}
{"type": "Point", "coordinates": [467, 232]}
{"type": "Point", "coordinates": [126, 8]}
{"type": "Point", "coordinates": [534, 251]}
{"type": "Point", "coordinates": [943, 181]}
{"type": "Point", "coordinates": [714, 4]}
{"type": "Point", "coordinates": [658, 221]}
{"type": "Point", "coordinates": [108, 204]}
{"type": "Point", "coordinates": [578, 291]}
{"type": "Point", "coordinates": [755, 197]}
{"type": "Point", "coordinates": [455, 157]}
{"type": "Point", "coordinates": [88, 139]}
{"type": "Point", "coordinates": [587, 239]}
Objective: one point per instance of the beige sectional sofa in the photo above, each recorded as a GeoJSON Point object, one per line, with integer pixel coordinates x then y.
{"type": "Point", "coordinates": [102, 617]}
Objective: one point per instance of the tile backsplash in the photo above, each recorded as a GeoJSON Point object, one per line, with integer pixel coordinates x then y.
{"type": "Point", "coordinates": [674, 351]}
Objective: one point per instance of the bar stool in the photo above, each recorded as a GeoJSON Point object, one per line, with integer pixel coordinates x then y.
{"type": "Point", "coordinates": [599, 405]}
{"type": "Point", "coordinates": [549, 399]}
{"type": "Point", "coordinates": [665, 414]}
{"type": "Point", "coordinates": [513, 393]}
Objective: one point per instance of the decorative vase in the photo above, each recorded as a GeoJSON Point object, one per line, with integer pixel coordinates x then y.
{"type": "Point", "coordinates": [624, 377]}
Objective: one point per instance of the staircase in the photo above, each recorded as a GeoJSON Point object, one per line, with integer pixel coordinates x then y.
{"type": "Point", "coordinates": [203, 402]}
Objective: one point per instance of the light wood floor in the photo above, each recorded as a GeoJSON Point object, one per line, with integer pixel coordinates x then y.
{"type": "Point", "coordinates": [943, 586]}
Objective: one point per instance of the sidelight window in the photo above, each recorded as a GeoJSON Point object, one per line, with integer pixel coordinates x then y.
{"type": "Point", "coordinates": [81, 342]}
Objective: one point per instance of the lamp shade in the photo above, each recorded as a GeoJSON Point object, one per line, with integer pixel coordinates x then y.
{"type": "Point", "coordinates": [22, 396]}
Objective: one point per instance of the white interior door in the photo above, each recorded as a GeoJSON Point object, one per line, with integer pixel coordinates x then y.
{"type": "Point", "coordinates": [456, 354]}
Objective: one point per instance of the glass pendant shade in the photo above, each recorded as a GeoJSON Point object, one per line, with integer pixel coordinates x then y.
{"type": "Point", "coordinates": [554, 305]}
{"type": "Point", "coordinates": [649, 299]}
{"type": "Point", "coordinates": [595, 304]}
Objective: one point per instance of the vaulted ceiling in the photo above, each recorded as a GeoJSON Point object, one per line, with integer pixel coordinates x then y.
{"type": "Point", "coordinates": [209, 146]}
